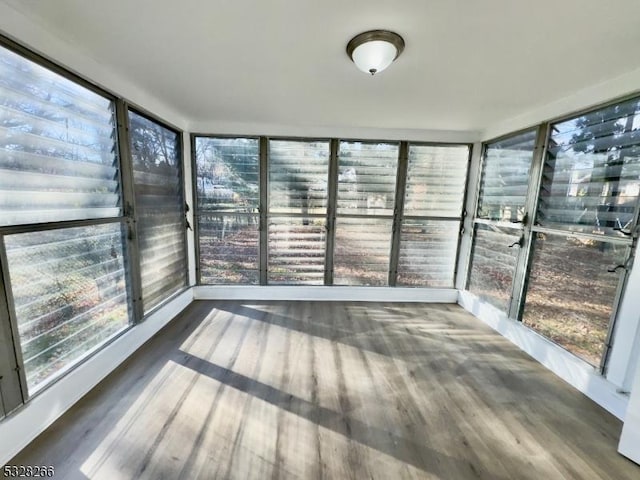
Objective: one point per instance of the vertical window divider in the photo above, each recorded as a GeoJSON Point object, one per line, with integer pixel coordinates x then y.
{"type": "Point", "coordinates": [264, 202]}
{"type": "Point", "coordinates": [332, 198]}
{"type": "Point", "coordinates": [622, 284]}
{"type": "Point", "coordinates": [129, 210]}
{"type": "Point", "coordinates": [398, 211]}
{"type": "Point", "coordinates": [474, 212]}
{"type": "Point", "coordinates": [194, 203]}
{"type": "Point", "coordinates": [521, 275]}
{"type": "Point", "coordinates": [13, 380]}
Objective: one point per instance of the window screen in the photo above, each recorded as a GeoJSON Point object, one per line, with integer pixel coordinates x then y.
{"type": "Point", "coordinates": [436, 180]}
{"type": "Point", "coordinates": [227, 186]}
{"type": "Point", "coordinates": [505, 178]}
{"type": "Point", "coordinates": [58, 156]}
{"type": "Point", "coordinates": [157, 171]}
{"type": "Point", "coordinates": [367, 178]}
{"type": "Point", "coordinates": [591, 176]}
{"type": "Point", "coordinates": [69, 292]}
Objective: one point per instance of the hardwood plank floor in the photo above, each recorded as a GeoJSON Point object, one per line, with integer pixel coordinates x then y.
{"type": "Point", "coordinates": [257, 390]}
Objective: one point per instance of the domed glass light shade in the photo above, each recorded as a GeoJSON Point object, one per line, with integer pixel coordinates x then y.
{"type": "Point", "coordinates": [375, 50]}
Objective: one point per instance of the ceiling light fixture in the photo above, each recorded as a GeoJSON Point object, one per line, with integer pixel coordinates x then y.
{"type": "Point", "coordinates": [375, 50]}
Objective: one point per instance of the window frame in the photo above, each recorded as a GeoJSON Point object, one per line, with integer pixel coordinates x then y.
{"type": "Point", "coordinates": [17, 384]}
{"type": "Point", "coordinates": [15, 391]}
{"type": "Point", "coordinates": [522, 274]}
{"type": "Point", "coordinates": [130, 107]}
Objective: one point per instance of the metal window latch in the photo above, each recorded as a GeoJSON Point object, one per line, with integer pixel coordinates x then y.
{"type": "Point", "coordinates": [628, 233]}
{"type": "Point", "coordinates": [616, 268]}
{"type": "Point", "coordinates": [524, 221]}
{"type": "Point", "coordinates": [519, 242]}
{"type": "Point", "coordinates": [188, 225]}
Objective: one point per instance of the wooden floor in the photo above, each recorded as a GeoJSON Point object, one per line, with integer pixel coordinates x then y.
{"type": "Point", "coordinates": [259, 390]}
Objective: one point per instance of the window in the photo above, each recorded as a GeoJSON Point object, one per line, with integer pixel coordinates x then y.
{"type": "Point", "coordinates": [362, 251]}
{"type": "Point", "coordinates": [298, 178]}
{"type": "Point", "coordinates": [505, 178]}
{"type": "Point", "coordinates": [592, 171]}
{"type": "Point", "coordinates": [157, 175]}
{"type": "Point", "coordinates": [587, 203]}
{"type": "Point", "coordinates": [434, 196]}
{"type": "Point", "coordinates": [499, 218]}
{"type": "Point", "coordinates": [69, 292]}
{"type": "Point", "coordinates": [570, 292]}
{"type": "Point", "coordinates": [227, 185]}
{"type": "Point", "coordinates": [493, 264]}
{"type": "Point", "coordinates": [59, 163]}
{"type": "Point", "coordinates": [58, 158]}
{"type": "Point", "coordinates": [365, 208]}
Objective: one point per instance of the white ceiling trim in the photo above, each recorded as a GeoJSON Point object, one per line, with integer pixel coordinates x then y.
{"type": "Point", "coordinates": [344, 132]}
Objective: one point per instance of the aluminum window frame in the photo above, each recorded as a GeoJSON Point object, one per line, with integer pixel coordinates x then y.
{"type": "Point", "coordinates": [396, 217]}
{"type": "Point", "coordinates": [16, 390]}
{"type": "Point", "coordinates": [289, 215]}
{"type": "Point", "coordinates": [193, 136]}
{"type": "Point", "coordinates": [130, 107]}
{"type": "Point", "coordinates": [460, 219]}
{"type": "Point", "coordinates": [530, 229]}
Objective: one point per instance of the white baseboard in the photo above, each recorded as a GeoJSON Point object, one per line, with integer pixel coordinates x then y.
{"type": "Point", "coordinates": [22, 426]}
{"type": "Point", "coordinates": [570, 368]}
{"type": "Point", "coordinates": [320, 293]}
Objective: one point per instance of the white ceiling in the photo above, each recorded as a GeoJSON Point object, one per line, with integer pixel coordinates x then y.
{"type": "Point", "coordinates": [467, 64]}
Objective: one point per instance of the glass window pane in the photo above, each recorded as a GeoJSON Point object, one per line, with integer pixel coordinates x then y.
{"type": "Point", "coordinates": [227, 174]}
{"type": "Point", "coordinates": [297, 250]}
{"type": "Point", "coordinates": [436, 180]}
{"type": "Point", "coordinates": [228, 180]}
{"type": "Point", "coordinates": [591, 176]}
{"type": "Point", "coordinates": [229, 251]}
{"type": "Point", "coordinates": [570, 293]}
{"type": "Point", "coordinates": [505, 177]}
{"type": "Point", "coordinates": [362, 250]}
{"type": "Point", "coordinates": [428, 251]}
{"type": "Point", "coordinates": [298, 174]}
{"type": "Point", "coordinates": [70, 295]}
{"type": "Point", "coordinates": [157, 172]}
{"type": "Point", "coordinates": [58, 157]}
{"type": "Point", "coordinates": [493, 264]}
{"type": "Point", "coordinates": [367, 178]}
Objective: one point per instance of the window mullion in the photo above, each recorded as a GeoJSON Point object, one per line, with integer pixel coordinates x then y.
{"type": "Point", "coordinates": [518, 292]}
{"type": "Point", "coordinates": [264, 201]}
{"type": "Point", "coordinates": [13, 381]}
{"type": "Point", "coordinates": [129, 210]}
{"type": "Point", "coordinates": [401, 182]}
{"type": "Point", "coordinates": [332, 196]}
